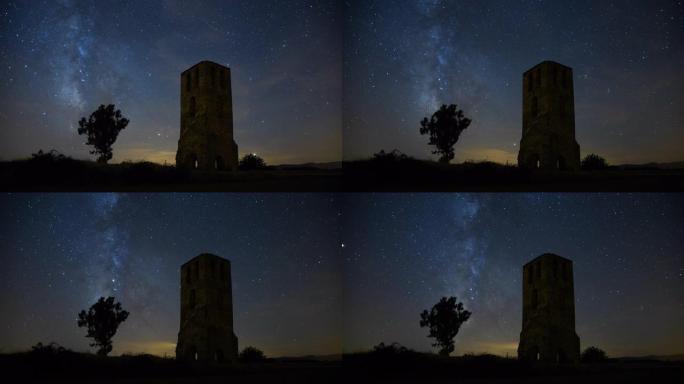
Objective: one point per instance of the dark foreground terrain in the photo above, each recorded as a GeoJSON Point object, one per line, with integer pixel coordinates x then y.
{"type": "Point", "coordinates": [405, 367]}
{"type": "Point", "coordinates": [414, 367]}
{"type": "Point", "coordinates": [69, 367]}
{"type": "Point", "coordinates": [397, 173]}
{"type": "Point", "coordinates": [65, 174]}
{"type": "Point", "coordinates": [388, 173]}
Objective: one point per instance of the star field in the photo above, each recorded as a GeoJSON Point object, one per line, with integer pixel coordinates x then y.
{"type": "Point", "coordinates": [62, 252]}
{"type": "Point", "coordinates": [59, 60]}
{"type": "Point", "coordinates": [403, 59]}
{"type": "Point", "coordinates": [403, 252]}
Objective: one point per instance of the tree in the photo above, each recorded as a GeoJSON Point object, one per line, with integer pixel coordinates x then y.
{"type": "Point", "coordinates": [251, 355]}
{"type": "Point", "coordinates": [102, 127]}
{"type": "Point", "coordinates": [444, 127]}
{"type": "Point", "coordinates": [593, 355]}
{"type": "Point", "coordinates": [444, 320]}
{"type": "Point", "coordinates": [252, 161]}
{"type": "Point", "coordinates": [593, 161]}
{"type": "Point", "coordinates": [102, 319]}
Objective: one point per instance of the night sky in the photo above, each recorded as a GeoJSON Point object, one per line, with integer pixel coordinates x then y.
{"type": "Point", "coordinates": [60, 252]}
{"type": "Point", "coordinates": [403, 59]}
{"type": "Point", "coordinates": [403, 252]}
{"type": "Point", "coordinates": [60, 59]}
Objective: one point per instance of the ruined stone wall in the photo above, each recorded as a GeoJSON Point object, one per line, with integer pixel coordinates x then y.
{"type": "Point", "coordinates": [206, 329]}
{"type": "Point", "coordinates": [548, 138]}
{"type": "Point", "coordinates": [206, 138]}
{"type": "Point", "coordinates": [548, 331]}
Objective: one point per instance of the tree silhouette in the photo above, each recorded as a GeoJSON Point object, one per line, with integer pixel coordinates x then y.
{"type": "Point", "coordinates": [444, 127]}
{"type": "Point", "coordinates": [252, 161]}
{"type": "Point", "coordinates": [102, 127]}
{"type": "Point", "coordinates": [251, 355]}
{"type": "Point", "coordinates": [594, 161]}
{"type": "Point", "coordinates": [102, 319]}
{"type": "Point", "coordinates": [444, 320]}
{"type": "Point", "coordinates": [593, 355]}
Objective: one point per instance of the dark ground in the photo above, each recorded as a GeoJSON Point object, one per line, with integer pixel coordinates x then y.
{"type": "Point", "coordinates": [363, 367]}
{"type": "Point", "coordinates": [388, 174]}
{"type": "Point", "coordinates": [407, 174]}
{"type": "Point", "coordinates": [65, 174]}
{"type": "Point", "coordinates": [415, 367]}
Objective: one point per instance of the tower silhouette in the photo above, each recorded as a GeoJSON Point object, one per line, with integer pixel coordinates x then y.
{"type": "Point", "coordinates": [548, 327]}
{"type": "Point", "coordinates": [206, 328]}
{"type": "Point", "coordinates": [206, 137]}
{"type": "Point", "coordinates": [548, 136]}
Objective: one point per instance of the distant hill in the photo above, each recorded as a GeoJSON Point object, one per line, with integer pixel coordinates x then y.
{"type": "Point", "coordinates": [333, 357]}
{"type": "Point", "coordinates": [330, 165]}
{"type": "Point", "coordinates": [672, 165]}
{"type": "Point", "coordinates": [675, 357]}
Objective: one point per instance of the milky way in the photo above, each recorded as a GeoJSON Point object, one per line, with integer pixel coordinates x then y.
{"type": "Point", "coordinates": [403, 59]}
{"type": "Point", "coordinates": [61, 252]}
{"type": "Point", "coordinates": [60, 59]}
{"type": "Point", "coordinates": [403, 252]}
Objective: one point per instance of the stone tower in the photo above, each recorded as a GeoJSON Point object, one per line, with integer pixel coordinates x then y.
{"type": "Point", "coordinates": [206, 321]}
{"type": "Point", "coordinates": [548, 136]}
{"type": "Point", "coordinates": [548, 327]}
{"type": "Point", "coordinates": [206, 137]}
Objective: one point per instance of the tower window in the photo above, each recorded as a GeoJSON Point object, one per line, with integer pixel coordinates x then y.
{"type": "Point", "coordinates": [192, 298]}
{"type": "Point", "coordinates": [193, 106]}
{"type": "Point", "coordinates": [530, 78]}
{"type": "Point", "coordinates": [538, 77]}
{"type": "Point", "coordinates": [535, 106]}
{"type": "Point", "coordinates": [534, 299]}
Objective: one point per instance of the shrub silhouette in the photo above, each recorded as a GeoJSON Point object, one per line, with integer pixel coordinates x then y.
{"type": "Point", "coordinates": [393, 156]}
{"type": "Point", "coordinates": [593, 162]}
{"type": "Point", "coordinates": [251, 162]}
{"type": "Point", "coordinates": [252, 355]}
{"type": "Point", "coordinates": [47, 350]}
{"type": "Point", "coordinates": [444, 127]}
{"type": "Point", "coordinates": [102, 127]}
{"type": "Point", "coordinates": [593, 355]}
{"type": "Point", "coordinates": [51, 156]}
{"type": "Point", "coordinates": [102, 319]}
{"type": "Point", "coordinates": [444, 320]}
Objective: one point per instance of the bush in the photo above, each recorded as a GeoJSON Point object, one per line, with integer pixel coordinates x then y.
{"type": "Point", "coordinates": [49, 349]}
{"type": "Point", "coordinates": [593, 162]}
{"type": "Point", "coordinates": [393, 156]}
{"type": "Point", "coordinates": [251, 162]}
{"type": "Point", "coordinates": [389, 349]}
{"type": "Point", "coordinates": [252, 355]}
{"type": "Point", "coordinates": [593, 355]}
{"type": "Point", "coordinates": [51, 156]}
